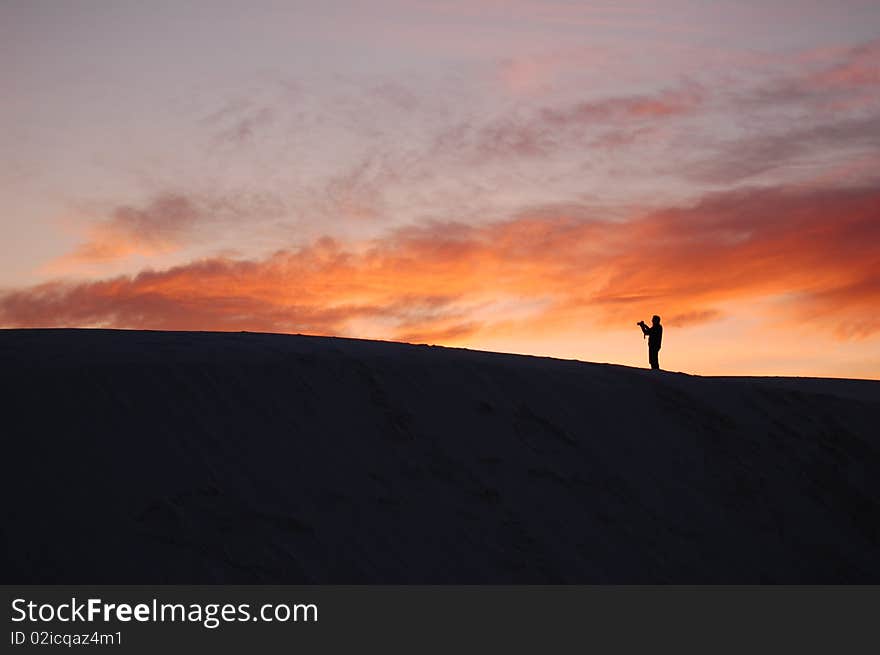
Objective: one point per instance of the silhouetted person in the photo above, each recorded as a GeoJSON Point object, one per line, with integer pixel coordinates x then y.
{"type": "Point", "coordinates": [655, 338]}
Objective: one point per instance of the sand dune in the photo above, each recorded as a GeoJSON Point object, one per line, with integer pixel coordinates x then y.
{"type": "Point", "coordinates": [183, 457]}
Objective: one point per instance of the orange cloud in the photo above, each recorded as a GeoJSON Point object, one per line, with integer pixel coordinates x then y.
{"type": "Point", "coordinates": [811, 244]}
{"type": "Point", "coordinates": [814, 251]}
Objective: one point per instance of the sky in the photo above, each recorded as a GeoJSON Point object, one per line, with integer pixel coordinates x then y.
{"type": "Point", "coordinates": [529, 176]}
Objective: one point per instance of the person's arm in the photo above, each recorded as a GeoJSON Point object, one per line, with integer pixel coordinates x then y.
{"type": "Point", "coordinates": [645, 328]}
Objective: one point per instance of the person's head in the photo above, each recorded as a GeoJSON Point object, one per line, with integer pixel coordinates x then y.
{"type": "Point", "coordinates": [655, 319]}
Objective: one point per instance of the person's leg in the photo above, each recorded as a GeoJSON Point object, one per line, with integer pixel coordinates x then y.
{"type": "Point", "coordinates": [654, 358]}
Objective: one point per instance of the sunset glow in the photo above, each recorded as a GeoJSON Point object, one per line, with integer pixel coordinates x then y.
{"type": "Point", "coordinates": [530, 177]}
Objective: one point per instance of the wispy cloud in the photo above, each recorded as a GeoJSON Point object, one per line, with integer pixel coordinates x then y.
{"type": "Point", "coordinates": [165, 223]}
{"type": "Point", "coordinates": [735, 160]}
{"type": "Point", "coordinates": [157, 227]}
{"type": "Point", "coordinates": [546, 131]}
{"type": "Point", "coordinates": [859, 67]}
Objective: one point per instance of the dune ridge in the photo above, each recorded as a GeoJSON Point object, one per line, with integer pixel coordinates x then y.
{"type": "Point", "coordinates": [198, 457]}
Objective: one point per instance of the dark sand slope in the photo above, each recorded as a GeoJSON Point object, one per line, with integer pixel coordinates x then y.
{"type": "Point", "coordinates": [224, 457]}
